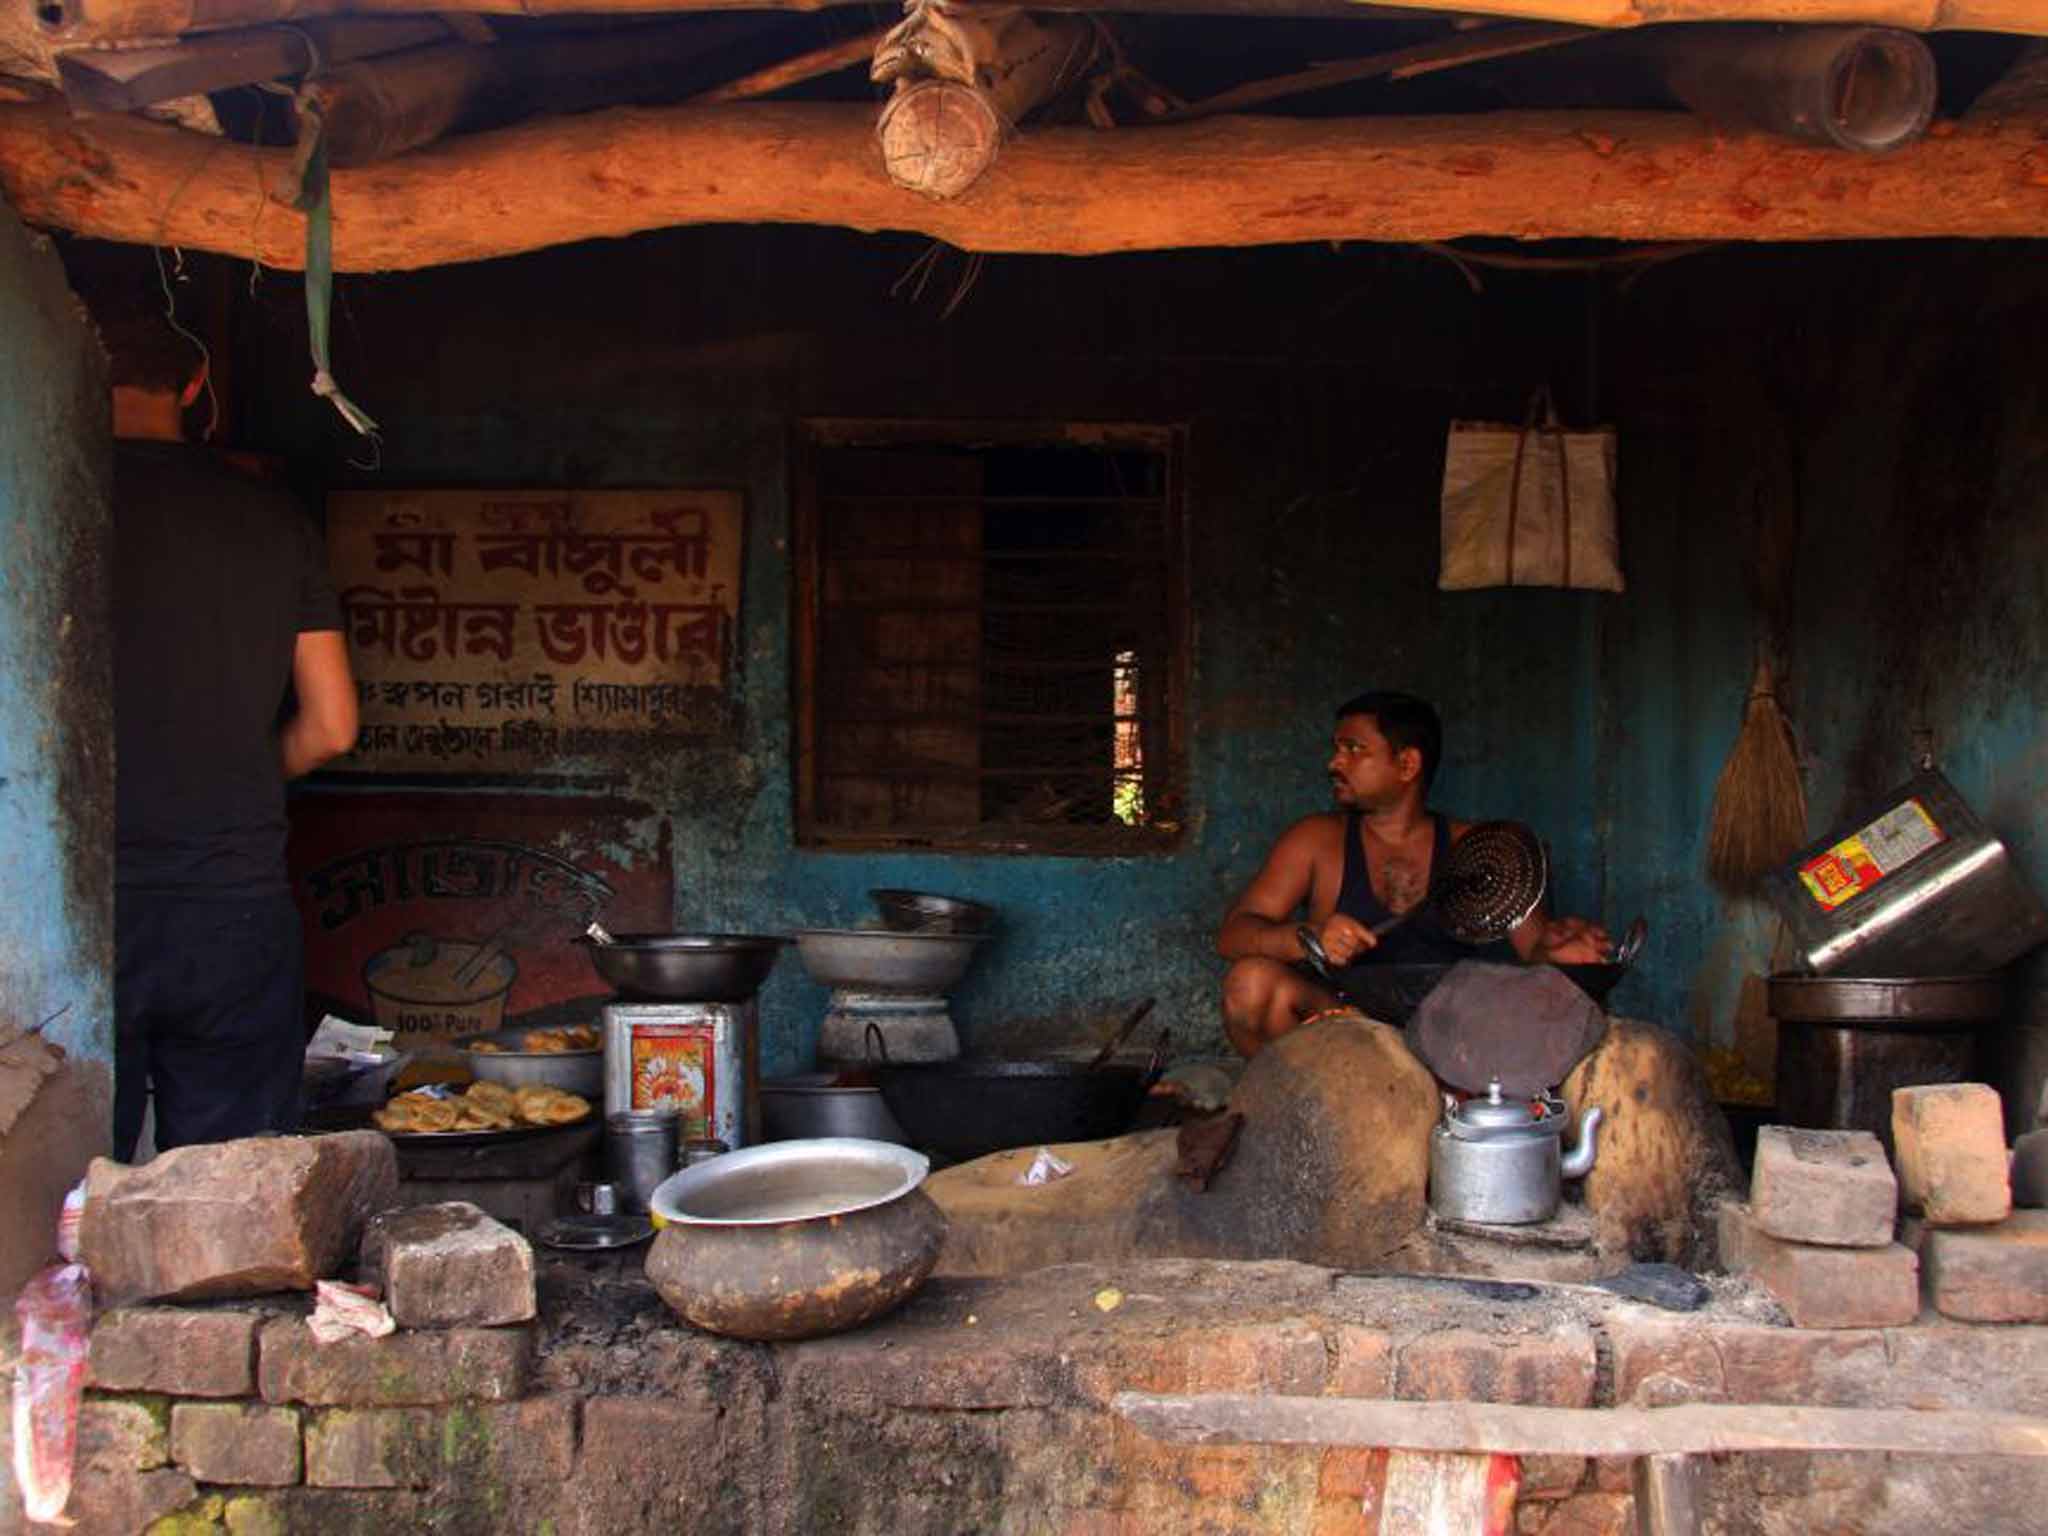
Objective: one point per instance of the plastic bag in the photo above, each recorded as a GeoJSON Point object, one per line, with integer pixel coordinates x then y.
{"type": "Point", "coordinates": [1529, 506]}
{"type": "Point", "coordinates": [55, 1312]}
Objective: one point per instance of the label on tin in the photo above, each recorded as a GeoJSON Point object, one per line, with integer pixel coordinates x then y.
{"type": "Point", "coordinates": [675, 1066]}
{"type": "Point", "coordinates": [1860, 860]}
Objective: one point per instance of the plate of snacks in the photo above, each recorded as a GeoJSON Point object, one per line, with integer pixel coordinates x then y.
{"type": "Point", "coordinates": [482, 1110]}
{"type": "Point", "coordinates": [566, 1056]}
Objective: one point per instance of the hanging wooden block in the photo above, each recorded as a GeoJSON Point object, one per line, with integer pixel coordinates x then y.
{"type": "Point", "coordinates": [938, 136]}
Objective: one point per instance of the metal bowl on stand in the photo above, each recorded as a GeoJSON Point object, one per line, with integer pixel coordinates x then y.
{"type": "Point", "coordinates": [687, 967]}
{"type": "Point", "coordinates": [874, 959]}
{"type": "Point", "coordinates": [578, 1072]}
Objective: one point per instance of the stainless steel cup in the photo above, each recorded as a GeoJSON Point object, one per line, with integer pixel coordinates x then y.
{"type": "Point", "coordinates": [640, 1151]}
{"type": "Point", "coordinates": [597, 1199]}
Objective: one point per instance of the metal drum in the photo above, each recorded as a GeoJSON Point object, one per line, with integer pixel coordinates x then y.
{"type": "Point", "coordinates": [1845, 1042]}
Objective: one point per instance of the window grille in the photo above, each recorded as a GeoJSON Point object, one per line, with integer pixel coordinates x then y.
{"type": "Point", "coordinates": [991, 638]}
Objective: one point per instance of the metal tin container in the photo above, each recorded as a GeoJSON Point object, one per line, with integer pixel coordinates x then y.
{"type": "Point", "coordinates": [640, 1150]}
{"type": "Point", "coordinates": [698, 1059]}
{"type": "Point", "coordinates": [1915, 886]}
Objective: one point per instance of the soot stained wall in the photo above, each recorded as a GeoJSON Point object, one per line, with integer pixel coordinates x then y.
{"type": "Point", "coordinates": [1315, 386]}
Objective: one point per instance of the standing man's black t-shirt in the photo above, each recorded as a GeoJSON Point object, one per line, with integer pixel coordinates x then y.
{"type": "Point", "coordinates": [216, 574]}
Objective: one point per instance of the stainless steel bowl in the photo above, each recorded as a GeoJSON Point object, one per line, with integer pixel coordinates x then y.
{"type": "Point", "coordinates": [687, 967]}
{"type": "Point", "coordinates": [578, 1072]}
{"type": "Point", "coordinates": [878, 960]}
{"type": "Point", "coordinates": [790, 1181]}
{"type": "Point", "coordinates": [923, 912]}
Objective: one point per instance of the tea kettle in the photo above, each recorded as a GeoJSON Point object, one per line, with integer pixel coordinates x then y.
{"type": "Point", "coordinates": [1498, 1160]}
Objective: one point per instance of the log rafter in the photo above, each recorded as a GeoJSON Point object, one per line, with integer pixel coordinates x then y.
{"type": "Point", "coordinates": [108, 21]}
{"type": "Point", "coordinates": [1074, 191]}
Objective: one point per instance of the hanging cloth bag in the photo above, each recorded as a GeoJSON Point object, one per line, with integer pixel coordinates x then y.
{"type": "Point", "coordinates": [1529, 506]}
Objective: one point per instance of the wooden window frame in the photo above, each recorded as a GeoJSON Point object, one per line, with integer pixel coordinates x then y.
{"type": "Point", "coordinates": [817, 433]}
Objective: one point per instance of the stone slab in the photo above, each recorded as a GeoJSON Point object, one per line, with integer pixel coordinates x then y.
{"type": "Point", "coordinates": [438, 1366]}
{"type": "Point", "coordinates": [449, 1266]}
{"type": "Point", "coordinates": [184, 1351]}
{"type": "Point", "coordinates": [1822, 1287]}
{"type": "Point", "coordinates": [1830, 1187]}
{"type": "Point", "coordinates": [1952, 1164]}
{"type": "Point", "coordinates": [1992, 1274]}
{"type": "Point", "coordinates": [238, 1218]}
{"type": "Point", "coordinates": [240, 1444]}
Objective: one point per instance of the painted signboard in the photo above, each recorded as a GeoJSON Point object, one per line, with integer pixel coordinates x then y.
{"type": "Point", "coordinates": [519, 632]}
{"type": "Point", "coordinates": [438, 920]}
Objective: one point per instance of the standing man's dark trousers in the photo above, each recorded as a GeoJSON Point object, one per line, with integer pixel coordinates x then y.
{"type": "Point", "coordinates": [209, 1010]}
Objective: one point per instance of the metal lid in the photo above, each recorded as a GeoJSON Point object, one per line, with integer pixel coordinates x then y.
{"type": "Point", "coordinates": [1493, 1113]}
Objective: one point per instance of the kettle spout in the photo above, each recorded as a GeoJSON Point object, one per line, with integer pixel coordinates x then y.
{"type": "Point", "coordinates": [1579, 1161]}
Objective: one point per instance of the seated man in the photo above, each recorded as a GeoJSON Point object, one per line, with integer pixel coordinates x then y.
{"type": "Point", "coordinates": [1356, 867]}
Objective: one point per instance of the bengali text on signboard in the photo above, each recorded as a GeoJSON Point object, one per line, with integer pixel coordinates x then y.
{"type": "Point", "coordinates": [525, 632]}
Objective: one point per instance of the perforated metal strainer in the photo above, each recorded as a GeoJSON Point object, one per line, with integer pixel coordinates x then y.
{"type": "Point", "coordinates": [1491, 880]}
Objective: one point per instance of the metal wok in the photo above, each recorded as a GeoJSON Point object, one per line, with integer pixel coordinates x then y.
{"type": "Point", "coordinates": [686, 967]}
{"type": "Point", "coordinates": [966, 1109]}
{"type": "Point", "coordinates": [1391, 993]}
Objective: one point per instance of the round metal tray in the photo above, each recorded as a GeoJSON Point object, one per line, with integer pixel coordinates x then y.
{"type": "Point", "coordinates": [594, 1234]}
{"type": "Point", "coordinates": [1904, 1002]}
{"type": "Point", "coordinates": [790, 1181]}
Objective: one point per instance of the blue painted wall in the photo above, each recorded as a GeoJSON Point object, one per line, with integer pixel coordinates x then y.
{"type": "Point", "coordinates": [56, 720]}
{"type": "Point", "coordinates": [1315, 386]}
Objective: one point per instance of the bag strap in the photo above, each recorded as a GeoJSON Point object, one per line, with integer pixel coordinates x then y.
{"type": "Point", "coordinates": [1539, 399]}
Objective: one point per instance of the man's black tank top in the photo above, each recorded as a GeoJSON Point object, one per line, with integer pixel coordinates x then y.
{"type": "Point", "coordinates": [1422, 939]}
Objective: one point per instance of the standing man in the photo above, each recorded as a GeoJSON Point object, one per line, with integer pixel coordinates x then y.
{"type": "Point", "coordinates": [1368, 861]}
{"type": "Point", "coordinates": [231, 676]}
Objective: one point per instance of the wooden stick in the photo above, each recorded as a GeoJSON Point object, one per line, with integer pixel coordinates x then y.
{"type": "Point", "coordinates": [1245, 1419]}
{"type": "Point", "coordinates": [1398, 64]}
{"type": "Point", "coordinates": [1073, 191]}
{"type": "Point", "coordinates": [827, 60]}
{"type": "Point", "coordinates": [109, 21]}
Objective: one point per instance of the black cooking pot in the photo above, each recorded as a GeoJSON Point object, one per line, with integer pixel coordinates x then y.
{"type": "Point", "coordinates": [1391, 993]}
{"type": "Point", "coordinates": [969, 1108]}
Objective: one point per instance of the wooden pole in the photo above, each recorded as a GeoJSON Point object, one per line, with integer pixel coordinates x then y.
{"type": "Point", "coordinates": [109, 21]}
{"type": "Point", "coordinates": [1507, 1429]}
{"type": "Point", "coordinates": [1071, 191]}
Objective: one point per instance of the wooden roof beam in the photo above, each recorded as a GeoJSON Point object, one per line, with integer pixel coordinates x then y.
{"type": "Point", "coordinates": [91, 22]}
{"type": "Point", "coordinates": [1072, 191]}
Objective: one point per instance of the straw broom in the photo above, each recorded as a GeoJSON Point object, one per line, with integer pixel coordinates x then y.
{"type": "Point", "coordinates": [1759, 818]}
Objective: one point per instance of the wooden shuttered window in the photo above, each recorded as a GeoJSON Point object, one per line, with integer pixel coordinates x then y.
{"type": "Point", "coordinates": [991, 638]}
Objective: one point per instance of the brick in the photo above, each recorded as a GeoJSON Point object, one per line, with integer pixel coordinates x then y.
{"type": "Point", "coordinates": [1660, 1361]}
{"type": "Point", "coordinates": [1592, 1514]}
{"type": "Point", "coordinates": [372, 1448]}
{"type": "Point", "coordinates": [1833, 1368]}
{"type": "Point", "coordinates": [449, 1265]}
{"type": "Point", "coordinates": [1828, 1187]}
{"type": "Point", "coordinates": [1996, 1274]}
{"type": "Point", "coordinates": [1823, 1287]}
{"type": "Point", "coordinates": [1551, 1477]}
{"type": "Point", "coordinates": [1287, 1357]}
{"type": "Point", "coordinates": [254, 1515]}
{"type": "Point", "coordinates": [1352, 1473]}
{"type": "Point", "coordinates": [1950, 1139]}
{"type": "Point", "coordinates": [340, 1512]}
{"type": "Point", "coordinates": [182, 1351]}
{"type": "Point", "coordinates": [123, 1434]}
{"type": "Point", "coordinates": [241, 1444]}
{"type": "Point", "coordinates": [1365, 1363]}
{"type": "Point", "coordinates": [1946, 1365]}
{"type": "Point", "coordinates": [120, 1502]}
{"type": "Point", "coordinates": [1553, 1369]}
{"type": "Point", "coordinates": [2030, 1170]}
{"type": "Point", "coordinates": [441, 1366]}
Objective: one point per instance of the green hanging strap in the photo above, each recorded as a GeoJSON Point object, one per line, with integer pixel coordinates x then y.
{"type": "Point", "coordinates": [310, 197]}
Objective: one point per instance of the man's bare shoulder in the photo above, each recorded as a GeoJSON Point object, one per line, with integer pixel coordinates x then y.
{"type": "Point", "coordinates": [1313, 833]}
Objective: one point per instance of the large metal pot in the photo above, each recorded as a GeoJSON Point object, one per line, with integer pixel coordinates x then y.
{"type": "Point", "coordinates": [687, 967]}
{"type": "Point", "coordinates": [1501, 1160]}
{"type": "Point", "coordinates": [796, 1238]}
{"type": "Point", "coordinates": [812, 1104]}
